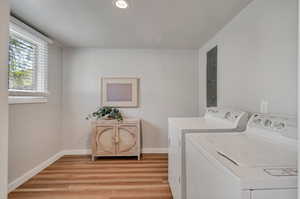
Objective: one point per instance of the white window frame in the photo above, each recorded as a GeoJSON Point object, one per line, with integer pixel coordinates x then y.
{"type": "Point", "coordinates": [40, 95]}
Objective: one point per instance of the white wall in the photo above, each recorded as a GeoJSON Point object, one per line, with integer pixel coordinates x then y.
{"type": "Point", "coordinates": [4, 13]}
{"type": "Point", "coordinates": [257, 58]}
{"type": "Point", "coordinates": [298, 90]}
{"type": "Point", "coordinates": [168, 87]}
{"type": "Point", "coordinates": [35, 129]}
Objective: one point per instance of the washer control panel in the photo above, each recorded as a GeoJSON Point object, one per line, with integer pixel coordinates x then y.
{"type": "Point", "coordinates": [268, 122]}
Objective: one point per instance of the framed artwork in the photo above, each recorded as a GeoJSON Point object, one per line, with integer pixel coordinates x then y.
{"type": "Point", "coordinates": [119, 92]}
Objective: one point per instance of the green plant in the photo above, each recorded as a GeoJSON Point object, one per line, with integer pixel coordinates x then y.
{"type": "Point", "coordinates": [106, 113]}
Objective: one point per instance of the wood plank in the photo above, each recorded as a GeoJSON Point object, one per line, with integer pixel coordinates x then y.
{"type": "Point", "coordinates": [73, 177]}
{"type": "Point", "coordinates": [104, 170]}
{"type": "Point", "coordinates": [90, 181]}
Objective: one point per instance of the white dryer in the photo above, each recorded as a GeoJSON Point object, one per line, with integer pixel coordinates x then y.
{"type": "Point", "coordinates": [215, 120]}
{"type": "Point", "coordinates": [260, 163]}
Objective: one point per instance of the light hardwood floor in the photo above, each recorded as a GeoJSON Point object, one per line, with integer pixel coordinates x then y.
{"type": "Point", "coordinates": [77, 177]}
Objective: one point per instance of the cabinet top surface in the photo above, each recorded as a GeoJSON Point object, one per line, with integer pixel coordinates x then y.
{"type": "Point", "coordinates": [125, 120]}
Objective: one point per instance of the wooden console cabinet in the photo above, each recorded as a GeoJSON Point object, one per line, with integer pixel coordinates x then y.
{"type": "Point", "coordinates": [116, 138]}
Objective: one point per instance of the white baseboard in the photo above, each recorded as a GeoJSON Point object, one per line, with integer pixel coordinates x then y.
{"type": "Point", "coordinates": [89, 151]}
{"type": "Point", "coordinates": [77, 152]}
{"type": "Point", "coordinates": [155, 150]}
{"type": "Point", "coordinates": [19, 181]}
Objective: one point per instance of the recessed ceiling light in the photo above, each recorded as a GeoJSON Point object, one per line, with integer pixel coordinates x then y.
{"type": "Point", "coordinates": [123, 4]}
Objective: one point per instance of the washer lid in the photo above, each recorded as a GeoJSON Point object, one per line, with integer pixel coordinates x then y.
{"type": "Point", "coordinates": [248, 158]}
{"type": "Point", "coordinates": [251, 151]}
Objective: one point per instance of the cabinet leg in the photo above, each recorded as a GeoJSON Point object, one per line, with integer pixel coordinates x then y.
{"type": "Point", "coordinates": [93, 158]}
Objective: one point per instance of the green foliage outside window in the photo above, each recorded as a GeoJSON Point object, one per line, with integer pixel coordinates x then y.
{"type": "Point", "coordinates": [21, 64]}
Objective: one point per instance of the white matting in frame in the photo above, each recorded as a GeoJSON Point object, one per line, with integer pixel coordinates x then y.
{"type": "Point", "coordinates": [119, 91]}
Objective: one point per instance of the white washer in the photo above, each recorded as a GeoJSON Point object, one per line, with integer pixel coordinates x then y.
{"type": "Point", "coordinates": [215, 120]}
{"type": "Point", "coordinates": [260, 163]}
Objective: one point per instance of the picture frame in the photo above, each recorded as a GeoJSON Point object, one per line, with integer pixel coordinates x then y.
{"type": "Point", "coordinates": [119, 92]}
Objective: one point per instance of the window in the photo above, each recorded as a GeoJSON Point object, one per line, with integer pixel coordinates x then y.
{"type": "Point", "coordinates": [28, 62]}
{"type": "Point", "coordinates": [22, 64]}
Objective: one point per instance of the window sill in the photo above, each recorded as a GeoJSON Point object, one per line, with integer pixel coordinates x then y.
{"type": "Point", "coordinates": [26, 100]}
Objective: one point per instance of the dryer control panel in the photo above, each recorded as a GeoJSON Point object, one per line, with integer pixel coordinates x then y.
{"type": "Point", "coordinates": [223, 113]}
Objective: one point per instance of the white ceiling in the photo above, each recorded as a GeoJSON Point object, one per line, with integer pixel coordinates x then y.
{"type": "Point", "coordinates": [146, 24]}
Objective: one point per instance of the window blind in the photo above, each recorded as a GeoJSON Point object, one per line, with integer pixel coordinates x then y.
{"type": "Point", "coordinates": [28, 63]}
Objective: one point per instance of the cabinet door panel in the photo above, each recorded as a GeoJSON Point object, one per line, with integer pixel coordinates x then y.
{"type": "Point", "coordinates": [127, 140]}
{"type": "Point", "coordinates": [105, 141]}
